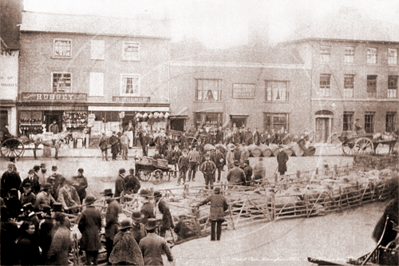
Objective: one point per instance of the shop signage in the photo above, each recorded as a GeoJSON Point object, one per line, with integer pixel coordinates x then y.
{"type": "Point", "coordinates": [120, 99]}
{"type": "Point", "coordinates": [52, 97]}
{"type": "Point", "coordinates": [90, 120]}
{"type": "Point", "coordinates": [54, 107]}
{"type": "Point", "coordinates": [244, 90]}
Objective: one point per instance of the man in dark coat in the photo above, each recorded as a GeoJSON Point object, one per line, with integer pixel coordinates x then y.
{"type": "Point", "coordinates": [61, 243]}
{"type": "Point", "coordinates": [138, 229]}
{"type": "Point", "coordinates": [9, 180]}
{"type": "Point", "coordinates": [111, 221]}
{"type": "Point", "coordinates": [90, 227]}
{"type": "Point", "coordinates": [194, 159]}
{"type": "Point", "coordinates": [104, 147]}
{"type": "Point", "coordinates": [282, 159]}
{"type": "Point", "coordinates": [120, 183]}
{"type": "Point", "coordinates": [144, 140]}
{"type": "Point", "coordinates": [167, 220]}
{"type": "Point", "coordinates": [236, 176]}
{"type": "Point", "coordinates": [13, 203]}
{"type": "Point", "coordinates": [249, 138]}
{"type": "Point", "coordinates": [219, 135]}
{"type": "Point", "coordinates": [132, 183]}
{"type": "Point", "coordinates": [9, 235]}
{"type": "Point", "coordinates": [45, 232]}
{"type": "Point", "coordinates": [218, 207]}
{"type": "Point", "coordinates": [28, 196]}
{"type": "Point", "coordinates": [80, 184]}
{"type": "Point", "coordinates": [183, 164]}
{"type": "Point", "coordinates": [237, 154]}
{"type": "Point", "coordinates": [148, 208]}
{"type": "Point", "coordinates": [35, 185]}
{"type": "Point", "coordinates": [220, 163]}
{"type": "Point", "coordinates": [54, 180]}
{"type": "Point", "coordinates": [248, 172]}
{"type": "Point", "coordinates": [152, 246]}
{"type": "Point", "coordinates": [208, 168]}
{"type": "Point", "coordinates": [114, 142]}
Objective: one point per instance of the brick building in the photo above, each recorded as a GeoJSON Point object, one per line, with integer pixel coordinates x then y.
{"type": "Point", "coordinates": [92, 71]}
{"type": "Point", "coordinates": [354, 70]}
{"type": "Point", "coordinates": [241, 86]}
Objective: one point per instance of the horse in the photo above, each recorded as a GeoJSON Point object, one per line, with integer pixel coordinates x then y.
{"type": "Point", "coordinates": [55, 141]}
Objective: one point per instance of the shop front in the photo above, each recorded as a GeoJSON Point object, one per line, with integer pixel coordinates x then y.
{"type": "Point", "coordinates": [208, 119]}
{"type": "Point", "coordinates": [37, 112]}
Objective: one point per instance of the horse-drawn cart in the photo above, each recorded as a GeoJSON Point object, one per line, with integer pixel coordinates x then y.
{"type": "Point", "coordinates": [12, 148]}
{"type": "Point", "coordinates": [362, 144]}
{"type": "Point", "coordinates": [146, 169]}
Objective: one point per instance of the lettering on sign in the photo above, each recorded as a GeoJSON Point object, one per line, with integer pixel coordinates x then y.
{"type": "Point", "coordinates": [50, 97]}
{"type": "Point", "coordinates": [119, 99]}
{"type": "Point", "coordinates": [244, 90]}
{"type": "Point", "coordinates": [54, 107]}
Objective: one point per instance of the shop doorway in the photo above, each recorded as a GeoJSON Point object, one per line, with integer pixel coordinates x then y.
{"type": "Point", "coordinates": [177, 124]}
{"type": "Point", "coordinates": [323, 125]}
{"type": "Point", "coordinates": [3, 118]}
{"type": "Point", "coordinates": [53, 116]}
{"type": "Point", "coordinates": [238, 120]}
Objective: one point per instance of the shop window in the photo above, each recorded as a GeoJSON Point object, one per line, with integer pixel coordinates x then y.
{"type": "Point", "coordinates": [62, 48]}
{"type": "Point", "coordinates": [275, 121]}
{"type": "Point", "coordinates": [347, 122]}
{"type": "Point", "coordinates": [277, 91]}
{"type": "Point", "coordinates": [349, 85]}
{"type": "Point", "coordinates": [62, 82]}
{"type": "Point", "coordinates": [325, 54]}
{"type": "Point", "coordinates": [372, 56]}
{"type": "Point", "coordinates": [97, 49]}
{"type": "Point", "coordinates": [130, 84]}
{"type": "Point", "coordinates": [390, 122]}
{"type": "Point", "coordinates": [209, 89]}
{"type": "Point", "coordinates": [392, 56]}
{"type": "Point", "coordinates": [96, 84]}
{"type": "Point", "coordinates": [372, 86]}
{"type": "Point", "coordinates": [349, 55]}
{"type": "Point", "coordinates": [392, 86]}
{"type": "Point", "coordinates": [131, 51]}
{"type": "Point", "coordinates": [369, 123]}
{"type": "Point", "coordinates": [208, 119]}
{"type": "Point", "coordinates": [325, 84]}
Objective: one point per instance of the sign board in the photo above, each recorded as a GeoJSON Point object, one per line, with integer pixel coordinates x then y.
{"type": "Point", "coordinates": [90, 120]}
{"type": "Point", "coordinates": [244, 90]}
{"type": "Point", "coordinates": [53, 107]}
{"type": "Point", "coordinates": [53, 97]}
{"type": "Point", "coordinates": [9, 75]}
{"type": "Point", "coordinates": [122, 99]}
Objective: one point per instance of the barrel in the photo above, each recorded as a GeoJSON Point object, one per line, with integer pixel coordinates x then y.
{"type": "Point", "coordinates": [297, 151]}
{"type": "Point", "coordinates": [288, 151]}
{"type": "Point", "coordinates": [254, 150]}
{"type": "Point", "coordinates": [274, 149]}
{"type": "Point", "coordinates": [266, 152]}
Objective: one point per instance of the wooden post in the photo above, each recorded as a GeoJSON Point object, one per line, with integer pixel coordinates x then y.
{"type": "Point", "coordinates": [276, 178]}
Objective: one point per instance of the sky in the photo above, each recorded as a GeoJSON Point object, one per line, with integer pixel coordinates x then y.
{"type": "Point", "coordinates": [223, 23]}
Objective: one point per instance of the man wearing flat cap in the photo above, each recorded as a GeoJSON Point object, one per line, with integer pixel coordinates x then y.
{"type": "Point", "coordinates": [236, 176]}
{"type": "Point", "coordinates": [45, 232]}
{"type": "Point", "coordinates": [218, 207]}
{"type": "Point", "coordinates": [152, 246]}
{"type": "Point", "coordinates": [208, 168]}
{"type": "Point", "coordinates": [27, 196]}
{"type": "Point", "coordinates": [90, 227]}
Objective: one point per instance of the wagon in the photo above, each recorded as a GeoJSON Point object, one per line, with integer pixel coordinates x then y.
{"type": "Point", "coordinates": [362, 144]}
{"type": "Point", "coordinates": [146, 171]}
{"type": "Point", "coordinates": [12, 148]}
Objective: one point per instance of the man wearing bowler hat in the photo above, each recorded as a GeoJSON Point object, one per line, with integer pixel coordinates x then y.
{"type": "Point", "coordinates": [282, 159]}
{"type": "Point", "coordinates": [111, 220]}
{"type": "Point", "coordinates": [27, 195]}
{"type": "Point", "coordinates": [138, 229]}
{"type": "Point", "coordinates": [218, 207]}
{"type": "Point", "coordinates": [153, 245]}
{"type": "Point", "coordinates": [35, 185]}
{"type": "Point", "coordinates": [148, 208]}
{"type": "Point", "coordinates": [54, 180]}
{"type": "Point", "coordinates": [90, 227]}
{"type": "Point", "coordinates": [167, 220]}
{"type": "Point", "coordinates": [236, 176]}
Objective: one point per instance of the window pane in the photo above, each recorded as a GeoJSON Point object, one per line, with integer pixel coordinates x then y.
{"type": "Point", "coordinates": [371, 56]}
{"type": "Point", "coordinates": [208, 89]}
{"type": "Point", "coordinates": [392, 56]}
{"type": "Point", "coordinates": [349, 54]}
{"type": "Point", "coordinates": [130, 84]}
{"type": "Point", "coordinates": [62, 48]}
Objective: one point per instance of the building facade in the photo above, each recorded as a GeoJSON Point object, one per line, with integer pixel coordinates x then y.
{"type": "Point", "coordinates": [92, 74]}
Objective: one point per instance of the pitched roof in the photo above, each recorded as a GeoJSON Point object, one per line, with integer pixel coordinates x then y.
{"type": "Point", "coordinates": [96, 25]}
{"type": "Point", "coordinates": [243, 54]}
{"type": "Point", "coordinates": [348, 24]}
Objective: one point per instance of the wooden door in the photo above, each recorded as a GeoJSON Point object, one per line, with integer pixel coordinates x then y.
{"type": "Point", "coordinates": [322, 130]}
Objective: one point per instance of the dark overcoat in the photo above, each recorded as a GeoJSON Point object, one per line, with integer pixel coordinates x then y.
{"type": "Point", "coordinates": [9, 181]}
{"type": "Point", "coordinates": [28, 249]}
{"type": "Point", "coordinates": [167, 220]}
{"type": "Point", "coordinates": [218, 206]}
{"type": "Point", "coordinates": [282, 159]}
{"type": "Point", "coordinates": [90, 227]}
{"type": "Point", "coordinates": [111, 219]}
{"type": "Point", "coordinates": [148, 210]}
{"type": "Point", "coordinates": [390, 234]}
{"type": "Point", "coordinates": [60, 247]}
{"type": "Point", "coordinates": [126, 250]}
{"type": "Point", "coordinates": [236, 176]}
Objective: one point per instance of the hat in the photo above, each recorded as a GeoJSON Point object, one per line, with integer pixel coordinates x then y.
{"type": "Point", "coordinates": [59, 217]}
{"type": "Point", "coordinates": [108, 192]}
{"type": "Point", "coordinates": [42, 165]}
{"type": "Point", "coordinates": [90, 200]}
{"type": "Point", "coordinates": [31, 171]}
{"type": "Point", "coordinates": [126, 224]}
{"type": "Point", "coordinates": [236, 163]}
{"type": "Point", "coordinates": [36, 168]}
{"type": "Point", "coordinates": [45, 186]}
{"type": "Point", "coordinates": [27, 184]}
{"type": "Point", "coordinates": [217, 190]}
{"type": "Point", "coordinates": [54, 168]}
{"type": "Point", "coordinates": [144, 193]}
{"type": "Point", "coordinates": [151, 224]}
{"type": "Point", "coordinates": [131, 170]}
{"type": "Point", "coordinates": [157, 194]}
{"type": "Point", "coordinates": [137, 216]}
{"type": "Point", "coordinates": [246, 161]}
{"type": "Point", "coordinates": [122, 171]}
{"type": "Point", "coordinates": [57, 207]}
{"type": "Point", "coordinates": [80, 170]}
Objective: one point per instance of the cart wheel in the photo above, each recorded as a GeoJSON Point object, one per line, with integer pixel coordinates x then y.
{"type": "Point", "coordinates": [348, 149]}
{"type": "Point", "coordinates": [158, 174]}
{"type": "Point", "coordinates": [144, 175]}
{"type": "Point", "coordinates": [12, 148]}
{"type": "Point", "coordinates": [364, 146]}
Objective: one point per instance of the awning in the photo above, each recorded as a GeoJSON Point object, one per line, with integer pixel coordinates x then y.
{"type": "Point", "coordinates": [128, 108]}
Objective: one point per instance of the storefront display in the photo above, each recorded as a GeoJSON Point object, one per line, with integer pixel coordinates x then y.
{"type": "Point", "coordinates": [30, 122]}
